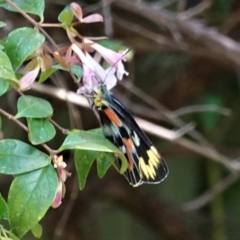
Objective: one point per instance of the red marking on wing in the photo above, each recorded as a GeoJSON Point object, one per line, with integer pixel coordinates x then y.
{"type": "Point", "coordinates": [113, 117]}
{"type": "Point", "coordinates": [129, 148]}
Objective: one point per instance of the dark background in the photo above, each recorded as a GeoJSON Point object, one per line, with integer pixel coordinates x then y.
{"type": "Point", "coordinates": [184, 54]}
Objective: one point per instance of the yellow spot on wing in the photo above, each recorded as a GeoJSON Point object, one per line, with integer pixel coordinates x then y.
{"type": "Point", "coordinates": [155, 151]}
{"type": "Point", "coordinates": [153, 159]}
{"type": "Point", "coordinates": [148, 170]}
{"type": "Point", "coordinates": [143, 168]}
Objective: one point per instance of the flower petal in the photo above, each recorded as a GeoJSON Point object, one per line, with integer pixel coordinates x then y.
{"type": "Point", "coordinates": [76, 10]}
{"type": "Point", "coordinates": [93, 18]}
{"type": "Point", "coordinates": [27, 80]}
{"type": "Point", "coordinates": [58, 196]}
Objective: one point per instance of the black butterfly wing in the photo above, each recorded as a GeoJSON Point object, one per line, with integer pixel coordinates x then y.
{"type": "Point", "coordinates": [145, 165]}
{"type": "Point", "coordinates": [114, 134]}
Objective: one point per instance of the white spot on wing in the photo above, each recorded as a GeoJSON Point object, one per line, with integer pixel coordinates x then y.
{"type": "Point", "coordinates": [107, 130]}
{"type": "Point", "coordinates": [123, 149]}
{"type": "Point", "coordinates": [136, 139]}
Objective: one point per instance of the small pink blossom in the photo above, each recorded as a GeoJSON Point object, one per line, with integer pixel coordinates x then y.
{"type": "Point", "coordinates": [93, 73]}
{"type": "Point", "coordinates": [93, 18]}
{"type": "Point", "coordinates": [114, 59]}
{"type": "Point", "coordinates": [77, 11]}
{"type": "Point", "coordinates": [62, 173]}
{"type": "Point", "coordinates": [31, 72]}
{"type": "Point", "coordinates": [58, 196]}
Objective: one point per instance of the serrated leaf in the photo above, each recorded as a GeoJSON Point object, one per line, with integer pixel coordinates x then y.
{"type": "Point", "coordinates": [17, 157]}
{"type": "Point", "coordinates": [3, 208]}
{"type": "Point", "coordinates": [30, 196]}
{"type": "Point", "coordinates": [40, 130]}
{"type": "Point", "coordinates": [6, 70]}
{"type": "Point", "coordinates": [83, 140]}
{"type": "Point", "coordinates": [33, 107]}
{"type": "Point", "coordinates": [83, 161]}
{"type": "Point", "coordinates": [4, 85]}
{"type": "Point", "coordinates": [37, 230]}
{"type": "Point", "coordinates": [22, 42]}
{"type": "Point", "coordinates": [66, 16]}
{"type": "Point", "coordinates": [29, 6]}
{"type": "Point", "coordinates": [104, 162]}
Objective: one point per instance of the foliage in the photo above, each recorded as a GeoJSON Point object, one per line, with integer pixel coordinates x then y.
{"type": "Point", "coordinates": [39, 177]}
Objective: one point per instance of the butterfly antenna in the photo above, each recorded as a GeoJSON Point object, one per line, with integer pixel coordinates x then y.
{"type": "Point", "coordinates": [120, 59]}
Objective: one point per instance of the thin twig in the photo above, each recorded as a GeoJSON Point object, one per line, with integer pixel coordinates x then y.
{"type": "Point", "coordinates": [194, 10]}
{"type": "Point", "coordinates": [108, 25]}
{"type": "Point", "coordinates": [63, 130]}
{"type": "Point", "coordinates": [194, 32]}
{"type": "Point", "coordinates": [12, 118]}
{"type": "Point", "coordinates": [231, 22]}
{"type": "Point", "coordinates": [201, 108]}
{"type": "Point", "coordinates": [165, 41]}
{"type": "Point", "coordinates": [163, 4]}
{"type": "Point", "coordinates": [205, 198]}
{"type": "Point", "coordinates": [31, 20]}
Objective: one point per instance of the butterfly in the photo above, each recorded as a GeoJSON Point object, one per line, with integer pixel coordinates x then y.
{"type": "Point", "coordinates": [145, 164]}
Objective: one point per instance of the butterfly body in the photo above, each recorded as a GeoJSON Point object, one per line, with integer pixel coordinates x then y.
{"type": "Point", "coordinates": [145, 165]}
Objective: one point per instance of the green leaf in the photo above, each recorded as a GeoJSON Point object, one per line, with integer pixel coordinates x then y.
{"type": "Point", "coordinates": [40, 130]}
{"type": "Point", "coordinates": [29, 6]}
{"type": "Point", "coordinates": [112, 44]}
{"type": "Point", "coordinates": [83, 161]}
{"type": "Point", "coordinates": [83, 140]}
{"type": "Point", "coordinates": [17, 157]}
{"type": "Point", "coordinates": [6, 70]}
{"type": "Point", "coordinates": [104, 162]}
{"type": "Point", "coordinates": [45, 75]}
{"type": "Point", "coordinates": [33, 107]}
{"type": "Point", "coordinates": [37, 230]}
{"type": "Point", "coordinates": [22, 42]}
{"type": "Point", "coordinates": [13, 236]}
{"type": "Point", "coordinates": [77, 71]}
{"type": "Point", "coordinates": [66, 16]}
{"type": "Point", "coordinates": [3, 208]}
{"type": "Point", "coordinates": [1, 45]}
{"type": "Point", "coordinates": [30, 196]}
{"type": "Point", "coordinates": [4, 85]}
{"type": "Point", "coordinates": [97, 131]}
{"type": "Point", "coordinates": [2, 24]}
{"type": "Point", "coordinates": [0, 123]}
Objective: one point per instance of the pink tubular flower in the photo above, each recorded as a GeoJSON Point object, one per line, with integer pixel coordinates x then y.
{"type": "Point", "coordinates": [93, 73]}
{"type": "Point", "coordinates": [113, 58]}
